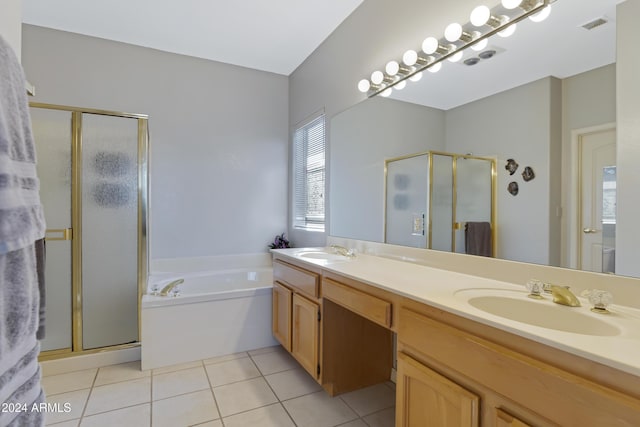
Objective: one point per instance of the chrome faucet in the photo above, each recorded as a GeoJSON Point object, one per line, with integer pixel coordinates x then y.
{"type": "Point", "coordinates": [341, 250]}
{"type": "Point", "coordinates": [562, 295]}
{"type": "Point", "coordinates": [169, 287]}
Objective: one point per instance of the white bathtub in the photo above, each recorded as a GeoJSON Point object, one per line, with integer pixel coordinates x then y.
{"type": "Point", "coordinates": [217, 312]}
{"type": "Point", "coordinates": [210, 285]}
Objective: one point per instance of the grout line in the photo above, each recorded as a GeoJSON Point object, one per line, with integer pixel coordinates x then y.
{"type": "Point", "coordinates": [182, 394]}
{"type": "Point", "coordinates": [279, 400]}
{"type": "Point", "coordinates": [224, 360]}
{"type": "Point", "coordinates": [215, 401]}
{"type": "Point", "coordinates": [211, 389]}
{"type": "Point", "coordinates": [86, 404]}
{"type": "Point", "coordinates": [151, 403]}
{"type": "Point", "coordinates": [349, 406]}
{"type": "Point", "coordinates": [115, 409]}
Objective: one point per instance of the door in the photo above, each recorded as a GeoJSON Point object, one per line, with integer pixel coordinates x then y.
{"type": "Point", "coordinates": [281, 316]}
{"type": "Point", "coordinates": [597, 201]}
{"type": "Point", "coordinates": [425, 398]}
{"type": "Point", "coordinates": [474, 203]}
{"type": "Point", "coordinates": [109, 221]}
{"type": "Point", "coordinates": [92, 168]}
{"type": "Point", "coordinates": [406, 188]}
{"type": "Point", "coordinates": [304, 342]}
{"type": "Point", "coordinates": [52, 135]}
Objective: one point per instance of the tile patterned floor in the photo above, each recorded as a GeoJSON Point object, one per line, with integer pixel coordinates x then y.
{"type": "Point", "coordinates": [260, 388]}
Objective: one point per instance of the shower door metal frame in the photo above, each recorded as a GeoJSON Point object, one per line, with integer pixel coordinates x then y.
{"type": "Point", "coordinates": [454, 182]}
{"type": "Point", "coordinates": [454, 173]}
{"type": "Point", "coordinates": [76, 223]}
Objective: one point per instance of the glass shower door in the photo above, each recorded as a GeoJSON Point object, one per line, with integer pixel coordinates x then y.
{"type": "Point", "coordinates": [441, 203]}
{"type": "Point", "coordinates": [52, 134]}
{"type": "Point", "coordinates": [109, 230]}
{"type": "Point", "coordinates": [474, 195]}
{"type": "Point", "coordinates": [406, 204]}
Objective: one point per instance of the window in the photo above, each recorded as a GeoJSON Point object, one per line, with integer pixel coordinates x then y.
{"type": "Point", "coordinates": [309, 175]}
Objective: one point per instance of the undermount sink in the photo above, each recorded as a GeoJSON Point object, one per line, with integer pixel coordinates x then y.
{"type": "Point", "coordinates": [543, 313]}
{"type": "Point", "coordinates": [322, 255]}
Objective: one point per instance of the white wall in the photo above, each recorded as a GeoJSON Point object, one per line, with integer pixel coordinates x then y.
{"type": "Point", "coordinates": [218, 135]}
{"type": "Point", "coordinates": [628, 120]}
{"type": "Point", "coordinates": [11, 24]}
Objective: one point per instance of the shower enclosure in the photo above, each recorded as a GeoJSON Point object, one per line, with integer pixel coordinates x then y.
{"type": "Point", "coordinates": [430, 198]}
{"type": "Point", "coordinates": [92, 166]}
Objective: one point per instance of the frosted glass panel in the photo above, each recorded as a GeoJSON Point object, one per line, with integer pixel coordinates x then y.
{"type": "Point", "coordinates": [406, 204]}
{"type": "Point", "coordinates": [109, 230]}
{"type": "Point", "coordinates": [609, 202]}
{"type": "Point", "coordinates": [442, 203]}
{"type": "Point", "coordinates": [473, 195]}
{"type": "Point", "coordinates": [52, 133]}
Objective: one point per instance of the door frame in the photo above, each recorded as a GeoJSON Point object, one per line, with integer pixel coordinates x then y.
{"type": "Point", "coordinates": [76, 114]}
{"type": "Point", "coordinates": [573, 197]}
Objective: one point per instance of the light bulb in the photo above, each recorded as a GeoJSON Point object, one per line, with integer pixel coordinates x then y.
{"type": "Point", "coordinates": [377, 77]}
{"type": "Point", "coordinates": [410, 57]}
{"type": "Point", "coordinates": [480, 16]}
{"type": "Point", "coordinates": [430, 45]}
{"type": "Point", "coordinates": [386, 92]}
{"type": "Point", "coordinates": [364, 85]}
{"type": "Point", "coordinates": [453, 32]}
{"type": "Point", "coordinates": [542, 15]}
{"type": "Point", "coordinates": [456, 56]}
{"type": "Point", "coordinates": [416, 77]}
{"type": "Point", "coordinates": [511, 4]}
{"type": "Point", "coordinates": [435, 67]}
{"type": "Point", "coordinates": [508, 31]}
{"type": "Point", "coordinates": [480, 45]}
{"type": "Point", "coordinates": [392, 68]}
{"type": "Point", "coordinates": [400, 85]}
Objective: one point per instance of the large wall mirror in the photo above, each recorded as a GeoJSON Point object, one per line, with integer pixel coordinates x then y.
{"type": "Point", "coordinates": [544, 97]}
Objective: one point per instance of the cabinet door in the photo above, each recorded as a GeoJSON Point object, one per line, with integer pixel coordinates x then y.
{"type": "Point", "coordinates": [425, 398]}
{"type": "Point", "coordinates": [304, 343]}
{"type": "Point", "coordinates": [504, 419]}
{"type": "Point", "coordinates": [281, 316]}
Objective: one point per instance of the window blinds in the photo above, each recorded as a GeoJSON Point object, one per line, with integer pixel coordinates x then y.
{"type": "Point", "coordinates": [309, 175]}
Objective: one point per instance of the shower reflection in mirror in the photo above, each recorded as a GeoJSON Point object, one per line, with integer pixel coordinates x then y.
{"type": "Point", "coordinates": [442, 201]}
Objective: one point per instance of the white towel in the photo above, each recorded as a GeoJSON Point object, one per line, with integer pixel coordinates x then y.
{"type": "Point", "coordinates": [21, 224]}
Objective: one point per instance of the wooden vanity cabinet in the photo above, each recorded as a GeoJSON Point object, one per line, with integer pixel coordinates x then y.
{"type": "Point", "coordinates": [357, 340]}
{"type": "Point", "coordinates": [448, 369]}
{"type": "Point", "coordinates": [304, 342]}
{"type": "Point", "coordinates": [296, 313]}
{"type": "Point", "coordinates": [281, 314]}
{"type": "Point", "coordinates": [426, 398]}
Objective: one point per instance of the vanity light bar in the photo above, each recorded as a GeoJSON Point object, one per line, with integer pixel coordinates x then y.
{"type": "Point", "coordinates": [500, 20]}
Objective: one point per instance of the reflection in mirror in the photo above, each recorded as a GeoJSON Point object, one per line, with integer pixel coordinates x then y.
{"type": "Point", "coordinates": [406, 206]}
{"type": "Point", "coordinates": [608, 219]}
{"type": "Point", "coordinates": [441, 201]}
{"type": "Point", "coordinates": [545, 82]}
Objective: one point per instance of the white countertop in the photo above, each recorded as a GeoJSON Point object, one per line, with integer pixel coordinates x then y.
{"type": "Point", "coordinates": [441, 289]}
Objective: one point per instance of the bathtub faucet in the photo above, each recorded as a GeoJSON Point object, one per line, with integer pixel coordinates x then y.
{"type": "Point", "coordinates": [168, 288]}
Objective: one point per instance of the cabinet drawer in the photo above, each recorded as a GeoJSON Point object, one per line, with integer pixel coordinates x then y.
{"type": "Point", "coordinates": [295, 277]}
{"type": "Point", "coordinates": [373, 308]}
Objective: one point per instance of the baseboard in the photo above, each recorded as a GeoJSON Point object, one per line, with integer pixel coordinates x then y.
{"type": "Point", "coordinates": [89, 361]}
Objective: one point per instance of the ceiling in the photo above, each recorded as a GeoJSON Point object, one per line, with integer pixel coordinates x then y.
{"type": "Point", "coordinates": [274, 35]}
{"type": "Point", "coordinates": [558, 47]}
